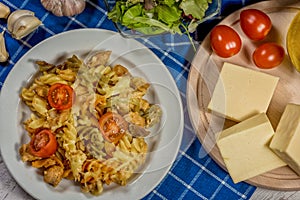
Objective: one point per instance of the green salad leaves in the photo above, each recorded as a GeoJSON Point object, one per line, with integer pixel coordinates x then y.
{"type": "Point", "coordinates": [158, 16]}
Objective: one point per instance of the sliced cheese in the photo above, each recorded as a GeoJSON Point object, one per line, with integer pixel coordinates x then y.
{"type": "Point", "coordinates": [286, 141]}
{"type": "Point", "coordinates": [245, 148]}
{"type": "Point", "coordinates": [241, 93]}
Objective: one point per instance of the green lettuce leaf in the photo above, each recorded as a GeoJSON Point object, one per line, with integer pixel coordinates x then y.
{"type": "Point", "coordinates": [135, 17]}
{"type": "Point", "coordinates": [169, 3]}
{"type": "Point", "coordinates": [168, 14]}
{"type": "Point", "coordinates": [133, 12]}
{"type": "Point", "coordinates": [196, 8]}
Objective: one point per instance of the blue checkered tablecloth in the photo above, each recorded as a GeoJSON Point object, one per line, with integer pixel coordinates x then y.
{"type": "Point", "coordinates": [190, 176]}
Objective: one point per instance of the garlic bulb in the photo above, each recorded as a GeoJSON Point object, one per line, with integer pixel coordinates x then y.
{"type": "Point", "coordinates": [4, 11]}
{"type": "Point", "coordinates": [3, 53]}
{"type": "Point", "coordinates": [64, 7]}
{"type": "Point", "coordinates": [20, 23]}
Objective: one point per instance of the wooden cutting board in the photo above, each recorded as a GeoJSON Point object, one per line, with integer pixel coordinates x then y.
{"type": "Point", "coordinates": [204, 74]}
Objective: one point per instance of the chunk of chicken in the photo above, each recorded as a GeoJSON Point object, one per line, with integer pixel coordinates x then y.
{"type": "Point", "coordinates": [98, 58]}
{"type": "Point", "coordinates": [53, 175]}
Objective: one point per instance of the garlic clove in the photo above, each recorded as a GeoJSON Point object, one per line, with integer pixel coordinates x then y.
{"type": "Point", "coordinates": [3, 53]}
{"type": "Point", "coordinates": [4, 11]}
{"type": "Point", "coordinates": [22, 22]}
{"type": "Point", "coordinates": [24, 26]}
{"type": "Point", "coordinates": [14, 16]}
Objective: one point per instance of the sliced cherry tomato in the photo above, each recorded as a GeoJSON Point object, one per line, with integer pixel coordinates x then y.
{"type": "Point", "coordinates": [112, 126]}
{"type": "Point", "coordinates": [268, 55]}
{"type": "Point", "coordinates": [225, 41]}
{"type": "Point", "coordinates": [60, 96]}
{"type": "Point", "coordinates": [255, 24]}
{"type": "Point", "coordinates": [43, 144]}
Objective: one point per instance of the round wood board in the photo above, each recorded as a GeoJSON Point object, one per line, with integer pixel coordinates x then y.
{"type": "Point", "coordinates": [204, 73]}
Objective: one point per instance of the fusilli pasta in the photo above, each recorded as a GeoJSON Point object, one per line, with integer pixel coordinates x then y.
{"type": "Point", "coordinates": [100, 138]}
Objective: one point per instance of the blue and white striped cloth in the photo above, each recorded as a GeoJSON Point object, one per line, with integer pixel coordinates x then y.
{"type": "Point", "coordinates": [190, 177]}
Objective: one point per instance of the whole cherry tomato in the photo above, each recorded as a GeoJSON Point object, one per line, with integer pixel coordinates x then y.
{"type": "Point", "coordinates": [268, 55]}
{"type": "Point", "coordinates": [255, 23]}
{"type": "Point", "coordinates": [225, 41]}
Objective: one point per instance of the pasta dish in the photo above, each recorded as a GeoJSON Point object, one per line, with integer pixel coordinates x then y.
{"type": "Point", "coordinates": [88, 122]}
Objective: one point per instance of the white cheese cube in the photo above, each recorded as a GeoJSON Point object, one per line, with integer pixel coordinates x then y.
{"type": "Point", "coordinates": [286, 141]}
{"type": "Point", "coordinates": [245, 148]}
{"type": "Point", "coordinates": [241, 93]}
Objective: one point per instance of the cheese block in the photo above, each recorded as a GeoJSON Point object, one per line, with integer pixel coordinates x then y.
{"type": "Point", "coordinates": [241, 93]}
{"type": "Point", "coordinates": [286, 141]}
{"type": "Point", "coordinates": [245, 148]}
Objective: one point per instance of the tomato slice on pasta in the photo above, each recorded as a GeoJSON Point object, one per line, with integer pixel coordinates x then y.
{"type": "Point", "coordinates": [60, 96]}
{"type": "Point", "coordinates": [112, 126]}
{"type": "Point", "coordinates": [43, 144]}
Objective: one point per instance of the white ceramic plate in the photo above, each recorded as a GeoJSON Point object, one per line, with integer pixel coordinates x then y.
{"type": "Point", "coordinates": [164, 144]}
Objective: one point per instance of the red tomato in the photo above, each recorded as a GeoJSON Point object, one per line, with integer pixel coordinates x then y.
{"type": "Point", "coordinates": [112, 126]}
{"type": "Point", "coordinates": [268, 55]}
{"type": "Point", "coordinates": [225, 41]}
{"type": "Point", "coordinates": [255, 24]}
{"type": "Point", "coordinates": [60, 96]}
{"type": "Point", "coordinates": [43, 144]}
